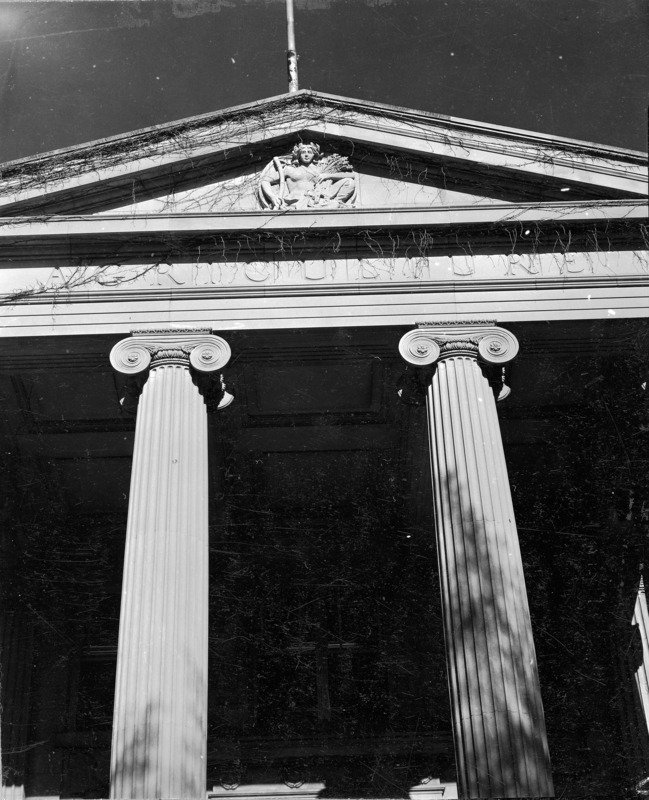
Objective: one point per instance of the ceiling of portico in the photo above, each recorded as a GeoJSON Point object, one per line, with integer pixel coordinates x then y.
{"type": "Point", "coordinates": [315, 416]}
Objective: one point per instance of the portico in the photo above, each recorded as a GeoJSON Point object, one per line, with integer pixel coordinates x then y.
{"type": "Point", "coordinates": [337, 326]}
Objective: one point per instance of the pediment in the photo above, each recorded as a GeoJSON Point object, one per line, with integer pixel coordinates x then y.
{"type": "Point", "coordinates": [392, 158]}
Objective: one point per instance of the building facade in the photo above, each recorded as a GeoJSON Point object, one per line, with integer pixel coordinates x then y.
{"type": "Point", "coordinates": [324, 460]}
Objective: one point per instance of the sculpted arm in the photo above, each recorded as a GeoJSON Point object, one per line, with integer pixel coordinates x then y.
{"type": "Point", "coordinates": [272, 179]}
{"type": "Point", "coordinates": [334, 176]}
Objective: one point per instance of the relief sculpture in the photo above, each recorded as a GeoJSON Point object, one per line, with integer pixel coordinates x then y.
{"type": "Point", "coordinates": [307, 179]}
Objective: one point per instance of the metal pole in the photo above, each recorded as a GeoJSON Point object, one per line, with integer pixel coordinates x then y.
{"type": "Point", "coordinates": [290, 53]}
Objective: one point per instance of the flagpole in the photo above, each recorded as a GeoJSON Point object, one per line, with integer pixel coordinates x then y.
{"type": "Point", "coordinates": [291, 54]}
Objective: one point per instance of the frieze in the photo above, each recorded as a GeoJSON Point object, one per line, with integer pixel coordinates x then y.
{"type": "Point", "coordinates": [327, 274]}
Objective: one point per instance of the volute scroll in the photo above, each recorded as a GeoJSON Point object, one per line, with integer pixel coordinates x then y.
{"type": "Point", "coordinates": [498, 346]}
{"type": "Point", "coordinates": [199, 349]}
{"type": "Point", "coordinates": [419, 348]}
{"type": "Point", "coordinates": [210, 356]}
{"type": "Point", "coordinates": [130, 357]}
{"type": "Point", "coordinates": [429, 343]}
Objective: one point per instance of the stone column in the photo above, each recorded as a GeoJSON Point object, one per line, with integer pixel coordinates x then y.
{"type": "Point", "coordinates": [641, 620]}
{"type": "Point", "coordinates": [499, 728]}
{"type": "Point", "coordinates": [16, 660]}
{"type": "Point", "coordinates": [159, 724]}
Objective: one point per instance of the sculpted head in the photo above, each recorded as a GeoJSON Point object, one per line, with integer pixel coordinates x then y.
{"type": "Point", "coordinates": [306, 153]}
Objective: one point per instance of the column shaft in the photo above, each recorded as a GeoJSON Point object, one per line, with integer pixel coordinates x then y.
{"type": "Point", "coordinates": [497, 712]}
{"type": "Point", "coordinates": [159, 726]}
{"type": "Point", "coordinates": [16, 661]}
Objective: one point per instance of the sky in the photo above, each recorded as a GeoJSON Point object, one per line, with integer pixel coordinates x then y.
{"type": "Point", "coordinates": [77, 70]}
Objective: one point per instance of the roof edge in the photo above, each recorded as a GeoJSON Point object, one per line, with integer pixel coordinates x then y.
{"type": "Point", "coordinates": [303, 96]}
{"type": "Point", "coordinates": [486, 127]}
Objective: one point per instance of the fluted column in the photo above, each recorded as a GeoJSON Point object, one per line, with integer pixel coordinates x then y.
{"type": "Point", "coordinates": [641, 619]}
{"type": "Point", "coordinates": [159, 724]}
{"type": "Point", "coordinates": [499, 728]}
{"type": "Point", "coordinates": [16, 657]}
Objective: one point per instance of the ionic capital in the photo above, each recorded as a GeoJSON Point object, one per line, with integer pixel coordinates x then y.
{"type": "Point", "coordinates": [196, 347]}
{"type": "Point", "coordinates": [482, 340]}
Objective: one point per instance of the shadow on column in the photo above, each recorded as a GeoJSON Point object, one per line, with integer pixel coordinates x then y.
{"type": "Point", "coordinates": [515, 759]}
{"type": "Point", "coordinates": [149, 768]}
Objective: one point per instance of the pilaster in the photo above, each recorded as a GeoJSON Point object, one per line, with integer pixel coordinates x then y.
{"type": "Point", "coordinates": [159, 725]}
{"type": "Point", "coordinates": [498, 720]}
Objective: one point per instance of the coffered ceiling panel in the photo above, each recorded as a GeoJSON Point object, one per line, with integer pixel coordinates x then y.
{"type": "Point", "coordinates": [313, 388]}
{"type": "Point", "coordinates": [95, 485]}
{"type": "Point", "coordinates": [50, 396]}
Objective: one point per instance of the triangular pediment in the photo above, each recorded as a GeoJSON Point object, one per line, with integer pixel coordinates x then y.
{"type": "Point", "coordinates": [393, 158]}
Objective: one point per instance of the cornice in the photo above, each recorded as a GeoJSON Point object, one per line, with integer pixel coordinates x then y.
{"type": "Point", "coordinates": [310, 99]}
{"type": "Point", "coordinates": [495, 214]}
{"type": "Point", "coordinates": [464, 124]}
{"type": "Point", "coordinates": [568, 158]}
